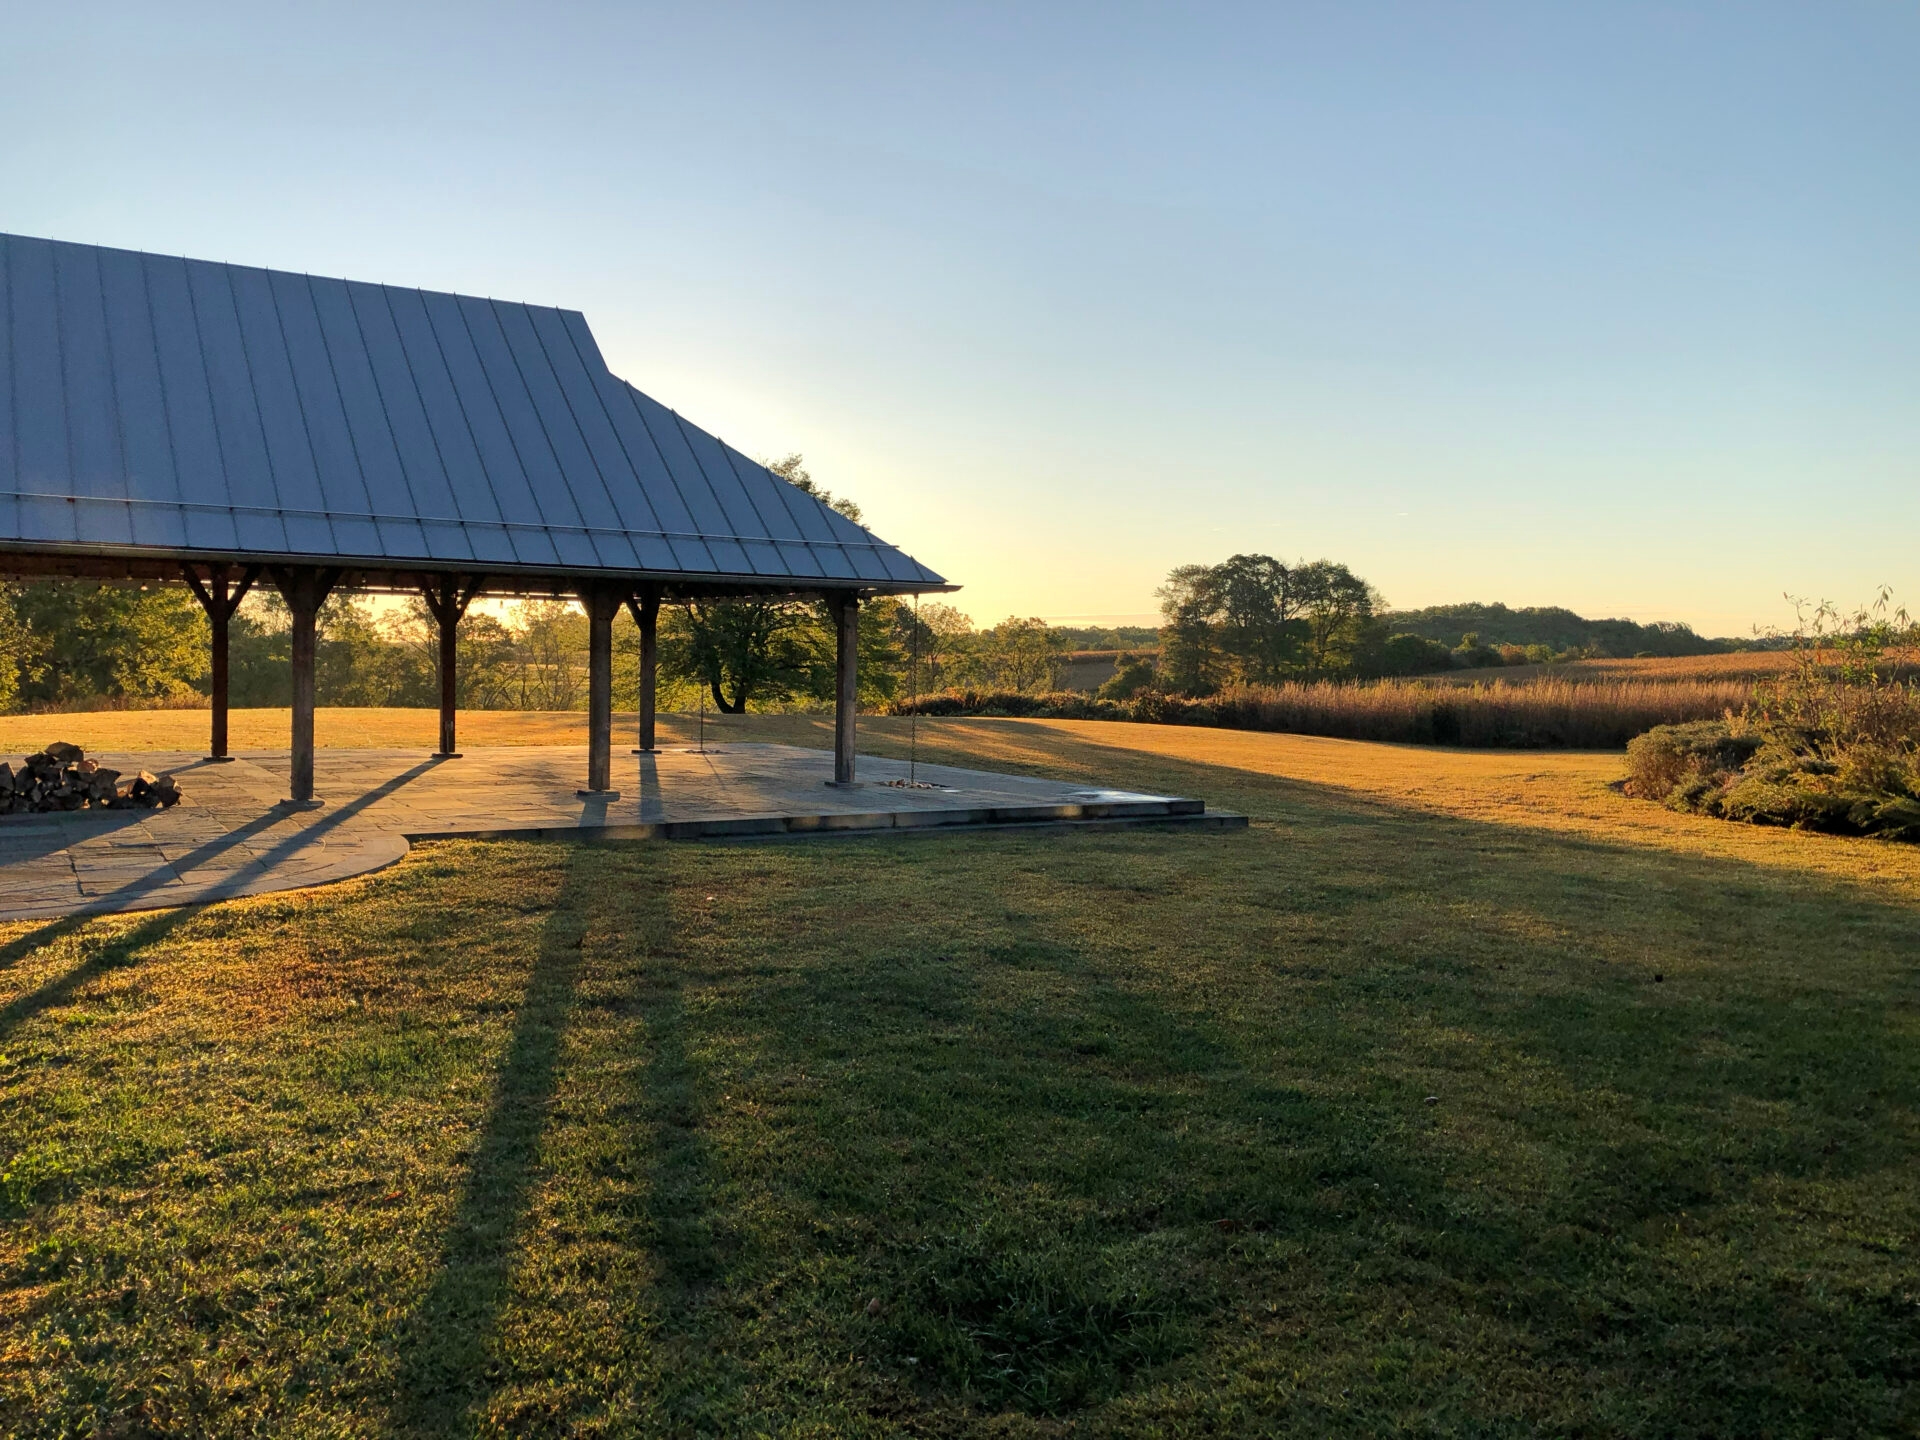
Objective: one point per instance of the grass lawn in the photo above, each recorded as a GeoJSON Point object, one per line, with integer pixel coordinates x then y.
{"type": "Point", "coordinates": [1459, 1095]}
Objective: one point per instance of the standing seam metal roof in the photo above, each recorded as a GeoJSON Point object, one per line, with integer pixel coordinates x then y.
{"type": "Point", "coordinates": [173, 407]}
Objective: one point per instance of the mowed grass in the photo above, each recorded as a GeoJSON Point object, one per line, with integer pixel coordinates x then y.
{"type": "Point", "coordinates": [1459, 1095]}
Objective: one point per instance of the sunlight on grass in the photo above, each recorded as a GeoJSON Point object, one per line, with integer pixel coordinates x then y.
{"type": "Point", "coordinates": [1441, 1100]}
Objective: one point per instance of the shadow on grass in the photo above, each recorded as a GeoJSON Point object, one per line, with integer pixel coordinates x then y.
{"type": "Point", "coordinates": [614, 910]}
{"type": "Point", "coordinates": [119, 948]}
{"type": "Point", "coordinates": [1419, 943]}
{"type": "Point", "coordinates": [448, 1365]}
{"type": "Point", "coordinates": [107, 951]}
{"type": "Point", "coordinates": [678, 1164]}
{"type": "Point", "coordinates": [1081, 1111]}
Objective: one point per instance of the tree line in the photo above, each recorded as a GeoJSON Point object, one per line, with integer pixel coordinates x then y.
{"type": "Point", "coordinates": [1254, 620]}
{"type": "Point", "coordinates": [1557, 631]}
{"type": "Point", "coordinates": [72, 644]}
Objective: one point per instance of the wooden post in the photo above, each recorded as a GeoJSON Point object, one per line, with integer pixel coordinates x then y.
{"type": "Point", "coordinates": [447, 601]}
{"type": "Point", "coordinates": [449, 653]}
{"type": "Point", "coordinates": [846, 690]}
{"type": "Point", "coordinates": [219, 602]}
{"type": "Point", "coordinates": [220, 622]}
{"type": "Point", "coordinates": [305, 591]}
{"type": "Point", "coordinates": [646, 614]}
{"type": "Point", "coordinates": [602, 603]}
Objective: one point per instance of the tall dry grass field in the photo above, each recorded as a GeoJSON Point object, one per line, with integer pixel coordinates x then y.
{"type": "Point", "coordinates": [1548, 713]}
{"type": "Point", "coordinates": [1599, 714]}
{"type": "Point", "coordinates": [1750, 666]}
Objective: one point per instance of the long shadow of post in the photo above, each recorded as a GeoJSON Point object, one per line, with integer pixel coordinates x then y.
{"type": "Point", "coordinates": [119, 949]}
{"type": "Point", "coordinates": [681, 1169]}
{"type": "Point", "coordinates": [448, 1369]}
{"type": "Point", "coordinates": [452, 1366]}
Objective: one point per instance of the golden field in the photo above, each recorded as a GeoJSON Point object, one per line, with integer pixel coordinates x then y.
{"type": "Point", "coordinates": [1740, 666]}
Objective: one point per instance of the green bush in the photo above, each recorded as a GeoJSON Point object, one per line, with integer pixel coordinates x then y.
{"type": "Point", "coordinates": [1470, 654]}
{"type": "Point", "coordinates": [1134, 674]}
{"type": "Point", "coordinates": [1832, 744]}
{"type": "Point", "coordinates": [1735, 772]}
{"type": "Point", "coordinates": [1668, 757]}
{"type": "Point", "coordinates": [1408, 655]}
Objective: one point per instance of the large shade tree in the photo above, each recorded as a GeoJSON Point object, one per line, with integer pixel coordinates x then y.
{"type": "Point", "coordinates": [773, 651]}
{"type": "Point", "coordinates": [1252, 620]}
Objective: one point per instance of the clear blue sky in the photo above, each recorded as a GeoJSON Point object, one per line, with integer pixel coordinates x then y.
{"type": "Point", "coordinates": [1614, 306]}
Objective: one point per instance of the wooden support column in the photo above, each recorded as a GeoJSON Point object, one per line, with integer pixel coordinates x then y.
{"type": "Point", "coordinates": [645, 608]}
{"type": "Point", "coordinates": [220, 601]}
{"type": "Point", "coordinates": [305, 591]}
{"type": "Point", "coordinates": [447, 600]}
{"type": "Point", "coordinates": [603, 603]}
{"type": "Point", "coordinates": [845, 609]}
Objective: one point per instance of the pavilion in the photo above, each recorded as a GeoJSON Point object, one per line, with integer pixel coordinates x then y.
{"type": "Point", "coordinates": [217, 425]}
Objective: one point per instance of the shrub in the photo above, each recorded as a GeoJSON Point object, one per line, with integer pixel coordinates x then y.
{"type": "Point", "coordinates": [1470, 654]}
{"type": "Point", "coordinates": [1726, 769]}
{"type": "Point", "coordinates": [1134, 674]}
{"type": "Point", "coordinates": [1668, 757]}
{"type": "Point", "coordinates": [1409, 655]}
{"type": "Point", "coordinates": [1832, 743]}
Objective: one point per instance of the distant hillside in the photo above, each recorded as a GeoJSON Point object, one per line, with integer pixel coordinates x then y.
{"type": "Point", "coordinates": [1550, 625]}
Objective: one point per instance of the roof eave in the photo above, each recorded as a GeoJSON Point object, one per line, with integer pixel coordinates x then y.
{"type": "Point", "coordinates": [137, 562]}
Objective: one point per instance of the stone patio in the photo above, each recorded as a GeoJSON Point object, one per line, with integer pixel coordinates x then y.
{"type": "Point", "coordinates": [233, 835]}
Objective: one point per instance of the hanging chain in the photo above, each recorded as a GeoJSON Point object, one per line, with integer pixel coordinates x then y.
{"type": "Point", "coordinates": [913, 703]}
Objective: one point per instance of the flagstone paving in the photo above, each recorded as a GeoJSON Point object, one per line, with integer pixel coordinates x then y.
{"type": "Point", "coordinates": [234, 835]}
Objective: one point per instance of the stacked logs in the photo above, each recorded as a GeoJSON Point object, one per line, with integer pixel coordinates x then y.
{"type": "Point", "coordinates": [61, 777]}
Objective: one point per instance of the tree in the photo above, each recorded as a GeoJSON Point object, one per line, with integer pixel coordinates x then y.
{"type": "Point", "coordinates": [86, 640]}
{"type": "Point", "coordinates": [942, 638]}
{"type": "Point", "coordinates": [1132, 675]}
{"type": "Point", "coordinates": [1408, 655]}
{"type": "Point", "coordinates": [1335, 605]}
{"type": "Point", "coordinates": [485, 659]}
{"type": "Point", "coordinates": [769, 651]}
{"type": "Point", "coordinates": [1254, 620]}
{"type": "Point", "coordinates": [1254, 599]}
{"type": "Point", "coordinates": [744, 650]}
{"type": "Point", "coordinates": [1238, 620]}
{"type": "Point", "coordinates": [1022, 655]}
{"type": "Point", "coordinates": [794, 472]}
{"type": "Point", "coordinates": [881, 656]}
{"type": "Point", "coordinates": [20, 649]}
{"type": "Point", "coordinates": [364, 658]}
{"type": "Point", "coordinates": [550, 643]}
{"type": "Point", "coordinates": [1191, 659]}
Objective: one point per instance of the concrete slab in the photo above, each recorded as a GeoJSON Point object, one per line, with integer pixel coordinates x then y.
{"type": "Point", "coordinates": [230, 836]}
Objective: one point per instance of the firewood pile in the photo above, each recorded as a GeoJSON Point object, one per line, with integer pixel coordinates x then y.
{"type": "Point", "coordinates": [61, 777]}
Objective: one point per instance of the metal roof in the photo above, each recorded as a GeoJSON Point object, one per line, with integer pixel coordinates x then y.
{"type": "Point", "coordinates": [186, 409]}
